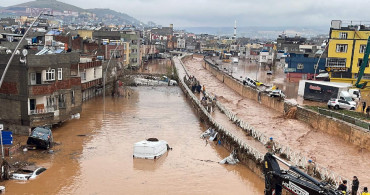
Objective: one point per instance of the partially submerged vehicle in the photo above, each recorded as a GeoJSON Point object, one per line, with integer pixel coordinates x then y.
{"type": "Point", "coordinates": [211, 133]}
{"type": "Point", "coordinates": [151, 148]}
{"type": "Point", "coordinates": [27, 173]}
{"type": "Point", "coordinates": [41, 137]}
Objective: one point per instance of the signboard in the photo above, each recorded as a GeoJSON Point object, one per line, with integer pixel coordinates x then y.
{"type": "Point", "coordinates": [336, 69]}
{"type": "Point", "coordinates": [7, 137]}
{"type": "Point", "coordinates": [290, 70]}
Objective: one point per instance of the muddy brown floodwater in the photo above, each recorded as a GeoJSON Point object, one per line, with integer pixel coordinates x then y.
{"type": "Point", "coordinates": [95, 154]}
{"type": "Point", "coordinates": [327, 150]}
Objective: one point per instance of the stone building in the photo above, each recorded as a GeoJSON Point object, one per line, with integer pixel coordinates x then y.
{"type": "Point", "coordinates": [38, 90]}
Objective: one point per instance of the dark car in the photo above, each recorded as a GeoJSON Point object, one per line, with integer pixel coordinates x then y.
{"type": "Point", "coordinates": [40, 138]}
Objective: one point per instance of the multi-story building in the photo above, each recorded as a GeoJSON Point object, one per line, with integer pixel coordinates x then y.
{"type": "Point", "coordinates": [90, 70]}
{"type": "Point", "coordinates": [39, 91]}
{"type": "Point", "coordinates": [133, 38]}
{"type": "Point", "coordinates": [346, 50]}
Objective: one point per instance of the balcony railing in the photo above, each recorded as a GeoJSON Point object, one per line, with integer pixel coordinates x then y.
{"type": "Point", "coordinates": [42, 111]}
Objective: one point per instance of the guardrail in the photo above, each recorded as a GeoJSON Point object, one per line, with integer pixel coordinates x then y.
{"type": "Point", "coordinates": [346, 118]}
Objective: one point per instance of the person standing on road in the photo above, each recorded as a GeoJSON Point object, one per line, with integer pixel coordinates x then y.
{"type": "Point", "coordinates": [270, 145]}
{"type": "Point", "coordinates": [355, 184]}
{"type": "Point", "coordinates": [311, 168]}
{"type": "Point", "coordinates": [363, 106]}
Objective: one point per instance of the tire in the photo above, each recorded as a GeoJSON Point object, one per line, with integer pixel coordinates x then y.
{"type": "Point", "coordinates": [336, 107]}
{"type": "Point", "coordinates": [48, 146]}
{"type": "Point", "coordinates": [352, 108]}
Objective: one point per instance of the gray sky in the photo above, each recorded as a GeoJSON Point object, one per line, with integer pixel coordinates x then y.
{"type": "Point", "coordinates": [217, 13]}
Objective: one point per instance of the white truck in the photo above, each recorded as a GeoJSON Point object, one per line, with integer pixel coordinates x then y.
{"type": "Point", "coordinates": [323, 91]}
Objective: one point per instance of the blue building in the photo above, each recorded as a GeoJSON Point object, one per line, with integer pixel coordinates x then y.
{"type": "Point", "coordinates": [303, 66]}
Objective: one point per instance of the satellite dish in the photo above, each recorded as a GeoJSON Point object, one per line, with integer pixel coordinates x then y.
{"type": "Point", "coordinates": [24, 52]}
{"type": "Point", "coordinates": [17, 52]}
{"type": "Point", "coordinates": [8, 51]}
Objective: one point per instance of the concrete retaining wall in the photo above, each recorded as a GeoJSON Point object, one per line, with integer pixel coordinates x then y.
{"type": "Point", "coordinates": [245, 91]}
{"type": "Point", "coordinates": [346, 131]}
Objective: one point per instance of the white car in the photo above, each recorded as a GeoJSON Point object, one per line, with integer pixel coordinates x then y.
{"type": "Point", "coordinates": [27, 173]}
{"type": "Point", "coordinates": [340, 104]}
{"type": "Point", "coordinates": [250, 82]}
{"type": "Point", "coordinates": [277, 93]}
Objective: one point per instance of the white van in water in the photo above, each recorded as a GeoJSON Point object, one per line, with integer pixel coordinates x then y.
{"type": "Point", "coordinates": [151, 148]}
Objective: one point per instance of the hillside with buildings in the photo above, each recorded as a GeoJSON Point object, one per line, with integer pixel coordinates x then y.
{"type": "Point", "coordinates": [69, 14]}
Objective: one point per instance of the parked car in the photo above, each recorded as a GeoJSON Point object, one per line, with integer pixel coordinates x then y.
{"type": "Point", "coordinates": [277, 93]}
{"type": "Point", "coordinates": [250, 82]}
{"type": "Point", "coordinates": [340, 104]}
{"type": "Point", "coordinates": [40, 137]}
{"type": "Point", "coordinates": [27, 173]}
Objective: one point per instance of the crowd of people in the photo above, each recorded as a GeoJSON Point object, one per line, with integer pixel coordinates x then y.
{"type": "Point", "coordinates": [207, 102]}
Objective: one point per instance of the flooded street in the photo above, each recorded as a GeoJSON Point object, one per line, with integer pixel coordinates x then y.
{"type": "Point", "coordinates": [95, 152]}
{"type": "Point", "coordinates": [316, 145]}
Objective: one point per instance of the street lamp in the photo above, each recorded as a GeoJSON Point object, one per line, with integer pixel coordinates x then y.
{"type": "Point", "coordinates": [16, 48]}
{"type": "Point", "coordinates": [317, 64]}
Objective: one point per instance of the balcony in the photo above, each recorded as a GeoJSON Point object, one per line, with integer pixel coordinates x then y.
{"type": "Point", "coordinates": [93, 83]}
{"type": "Point", "coordinates": [50, 109]}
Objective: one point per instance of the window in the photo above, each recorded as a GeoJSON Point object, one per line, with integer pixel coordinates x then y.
{"type": "Point", "coordinates": [50, 75]}
{"type": "Point", "coordinates": [336, 62]}
{"type": "Point", "coordinates": [73, 97]}
{"type": "Point", "coordinates": [360, 62]}
{"type": "Point", "coordinates": [362, 48]}
{"type": "Point", "coordinates": [300, 66]}
{"type": "Point", "coordinates": [60, 72]}
{"type": "Point", "coordinates": [83, 76]}
{"type": "Point", "coordinates": [33, 78]}
{"type": "Point", "coordinates": [343, 35]}
{"type": "Point", "coordinates": [341, 48]}
{"type": "Point", "coordinates": [94, 73]}
{"type": "Point", "coordinates": [264, 57]}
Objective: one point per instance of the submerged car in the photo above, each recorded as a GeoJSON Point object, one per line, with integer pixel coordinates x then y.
{"type": "Point", "coordinates": [27, 173]}
{"type": "Point", "coordinates": [151, 148]}
{"type": "Point", "coordinates": [340, 104]}
{"type": "Point", "coordinates": [40, 137]}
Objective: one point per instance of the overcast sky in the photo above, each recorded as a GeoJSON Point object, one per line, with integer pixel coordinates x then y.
{"type": "Point", "coordinates": [222, 13]}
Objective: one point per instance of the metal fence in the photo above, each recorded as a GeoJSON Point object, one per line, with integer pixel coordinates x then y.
{"type": "Point", "coordinates": [346, 118]}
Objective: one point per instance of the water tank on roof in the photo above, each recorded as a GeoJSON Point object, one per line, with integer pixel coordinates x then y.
{"type": "Point", "coordinates": [336, 24]}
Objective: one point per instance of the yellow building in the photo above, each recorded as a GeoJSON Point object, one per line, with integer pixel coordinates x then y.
{"type": "Point", "coordinates": [126, 54]}
{"type": "Point", "coordinates": [345, 52]}
{"type": "Point", "coordinates": [85, 34]}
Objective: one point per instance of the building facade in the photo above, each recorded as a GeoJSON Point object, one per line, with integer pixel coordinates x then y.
{"type": "Point", "coordinates": [345, 52]}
